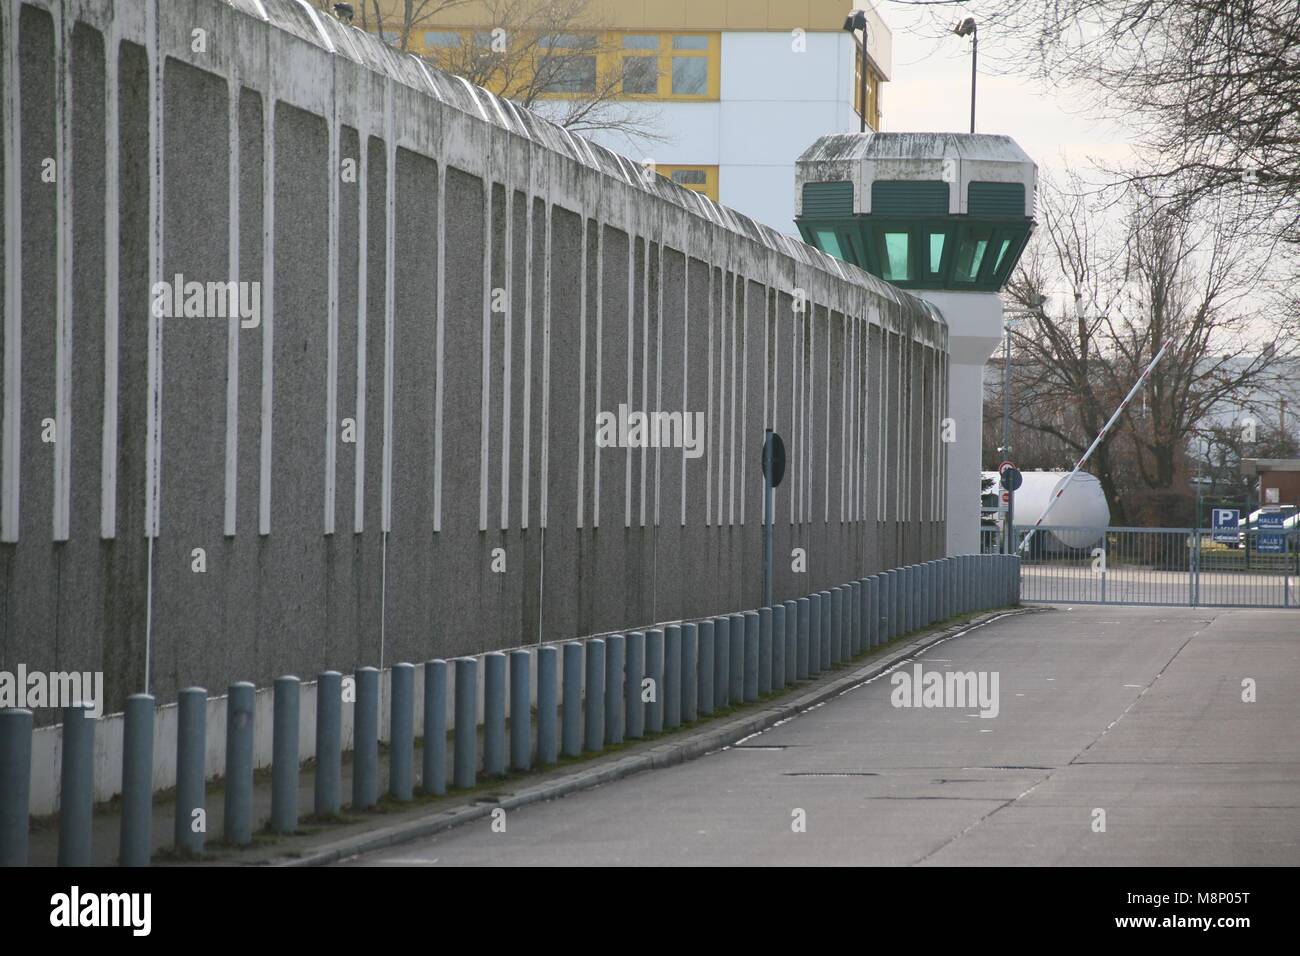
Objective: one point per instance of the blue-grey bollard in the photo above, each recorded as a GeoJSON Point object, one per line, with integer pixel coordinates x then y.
{"type": "Point", "coordinates": [672, 676]}
{"type": "Point", "coordinates": [871, 612]}
{"type": "Point", "coordinates": [237, 821]}
{"type": "Point", "coordinates": [615, 679]}
{"type": "Point", "coordinates": [972, 588]}
{"type": "Point", "coordinates": [856, 592]}
{"type": "Point", "coordinates": [803, 656]}
{"type": "Point", "coordinates": [401, 732]}
{"type": "Point", "coordinates": [571, 722]}
{"type": "Point", "coordinates": [654, 673]}
{"type": "Point", "coordinates": [828, 618]}
{"type": "Point", "coordinates": [837, 625]}
{"type": "Point", "coordinates": [926, 582]}
{"type": "Point", "coordinates": [191, 742]}
{"type": "Point", "coordinates": [749, 681]}
{"type": "Point", "coordinates": [707, 656]}
{"type": "Point", "coordinates": [548, 665]}
{"type": "Point", "coordinates": [777, 640]}
{"type": "Point", "coordinates": [329, 744]}
{"type": "Point", "coordinates": [135, 842]}
{"type": "Point", "coordinates": [721, 662]}
{"type": "Point", "coordinates": [886, 606]}
{"type": "Point", "coordinates": [464, 772]}
{"type": "Point", "coordinates": [765, 650]}
{"type": "Point", "coordinates": [1015, 571]}
{"type": "Point", "coordinates": [940, 589]}
{"type": "Point", "coordinates": [494, 714]}
{"type": "Point", "coordinates": [791, 641]}
{"type": "Point", "coordinates": [433, 771]}
{"type": "Point", "coordinates": [284, 754]}
{"type": "Point", "coordinates": [690, 673]}
{"type": "Point", "coordinates": [736, 669]}
{"type": "Point", "coordinates": [814, 634]}
{"type": "Point", "coordinates": [521, 702]}
{"type": "Point", "coordinates": [595, 696]}
{"type": "Point", "coordinates": [954, 589]}
{"type": "Point", "coordinates": [15, 784]}
{"type": "Point", "coordinates": [77, 786]}
{"type": "Point", "coordinates": [365, 738]}
{"type": "Point", "coordinates": [907, 587]}
{"type": "Point", "coordinates": [633, 673]}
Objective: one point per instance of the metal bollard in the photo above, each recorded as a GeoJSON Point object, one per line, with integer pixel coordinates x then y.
{"type": "Point", "coordinates": [433, 770]}
{"type": "Point", "coordinates": [284, 755]}
{"type": "Point", "coordinates": [837, 625]}
{"type": "Point", "coordinates": [736, 668]}
{"type": "Point", "coordinates": [672, 676]}
{"type": "Point", "coordinates": [778, 647]}
{"type": "Point", "coordinates": [814, 634]}
{"type": "Point", "coordinates": [237, 821]}
{"type": "Point", "coordinates": [365, 738]}
{"type": "Point", "coordinates": [401, 732]}
{"type": "Point", "coordinates": [707, 657]}
{"type": "Point", "coordinates": [791, 641]}
{"type": "Point", "coordinates": [571, 722]}
{"type": "Point", "coordinates": [654, 672]}
{"type": "Point", "coordinates": [595, 696]}
{"type": "Point", "coordinates": [465, 758]}
{"type": "Point", "coordinates": [548, 662]}
{"type": "Point", "coordinates": [494, 714]}
{"type": "Point", "coordinates": [765, 650]}
{"type": "Point", "coordinates": [136, 835]}
{"type": "Point", "coordinates": [803, 664]}
{"type": "Point", "coordinates": [77, 786]}
{"type": "Point", "coordinates": [749, 681]}
{"type": "Point", "coordinates": [15, 784]}
{"type": "Point", "coordinates": [191, 735]}
{"type": "Point", "coordinates": [521, 700]}
{"type": "Point", "coordinates": [1016, 570]}
{"type": "Point", "coordinates": [615, 705]}
{"type": "Point", "coordinates": [633, 673]}
{"type": "Point", "coordinates": [873, 611]}
{"type": "Point", "coordinates": [690, 673]}
{"type": "Point", "coordinates": [856, 594]}
{"type": "Point", "coordinates": [329, 744]}
{"type": "Point", "coordinates": [721, 663]}
{"type": "Point", "coordinates": [907, 589]}
{"type": "Point", "coordinates": [828, 620]}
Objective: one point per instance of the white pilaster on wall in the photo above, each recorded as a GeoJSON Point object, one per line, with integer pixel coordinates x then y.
{"type": "Point", "coordinates": [390, 304]}
{"type": "Point", "coordinates": [63, 272]}
{"type": "Point", "coordinates": [334, 176]}
{"type": "Point", "coordinates": [230, 475]}
{"type": "Point", "coordinates": [112, 139]}
{"type": "Point", "coordinates": [268, 286]}
{"type": "Point", "coordinates": [363, 241]}
{"type": "Point", "coordinates": [11, 437]}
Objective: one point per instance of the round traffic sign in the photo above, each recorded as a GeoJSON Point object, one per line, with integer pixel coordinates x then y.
{"type": "Point", "coordinates": [778, 457]}
{"type": "Point", "coordinates": [1010, 477]}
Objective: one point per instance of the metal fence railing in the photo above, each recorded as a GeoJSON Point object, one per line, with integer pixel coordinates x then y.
{"type": "Point", "coordinates": [1164, 566]}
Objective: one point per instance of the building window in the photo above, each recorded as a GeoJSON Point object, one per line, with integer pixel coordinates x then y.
{"type": "Point", "coordinates": [873, 90]}
{"type": "Point", "coordinates": [701, 179]}
{"type": "Point", "coordinates": [647, 66]}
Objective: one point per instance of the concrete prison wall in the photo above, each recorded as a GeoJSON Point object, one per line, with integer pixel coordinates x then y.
{"type": "Point", "coordinates": [381, 442]}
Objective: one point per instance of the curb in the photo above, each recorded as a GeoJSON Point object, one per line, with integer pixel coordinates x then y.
{"type": "Point", "coordinates": [697, 744]}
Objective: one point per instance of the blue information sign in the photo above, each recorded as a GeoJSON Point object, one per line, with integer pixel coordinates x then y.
{"type": "Point", "coordinates": [1270, 541]}
{"type": "Point", "coordinates": [1223, 525]}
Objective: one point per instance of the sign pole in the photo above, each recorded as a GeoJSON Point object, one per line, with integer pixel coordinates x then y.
{"type": "Point", "coordinates": [769, 498]}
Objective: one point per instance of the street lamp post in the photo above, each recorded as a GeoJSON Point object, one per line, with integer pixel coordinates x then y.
{"type": "Point", "coordinates": [857, 20]}
{"type": "Point", "coordinates": [967, 28]}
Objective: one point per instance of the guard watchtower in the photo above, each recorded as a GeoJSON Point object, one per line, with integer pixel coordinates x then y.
{"type": "Point", "coordinates": [945, 216]}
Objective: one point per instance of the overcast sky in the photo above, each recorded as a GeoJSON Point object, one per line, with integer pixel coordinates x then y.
{"type": "Point", "coordinates": [930, 92]}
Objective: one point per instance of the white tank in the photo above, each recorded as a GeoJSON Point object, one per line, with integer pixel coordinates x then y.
{"type": "Point", "coordinates": [1082, 505]}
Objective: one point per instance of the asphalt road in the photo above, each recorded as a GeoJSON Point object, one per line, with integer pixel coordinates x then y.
{"type": "Point", "coordinates": [1137, 712]}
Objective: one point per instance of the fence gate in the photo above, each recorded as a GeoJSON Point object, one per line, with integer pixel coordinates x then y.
{"type": "Point", "coordinates": [1168, 566]}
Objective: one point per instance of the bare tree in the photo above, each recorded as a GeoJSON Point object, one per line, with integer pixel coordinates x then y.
{"type": "Point", "coordinates": [1211, 86]}
{"type": "Point", "coordinates": [1095, 306]}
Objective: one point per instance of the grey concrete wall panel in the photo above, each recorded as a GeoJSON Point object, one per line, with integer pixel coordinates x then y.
{"type": "Point", "coordinates": [398, 459]}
